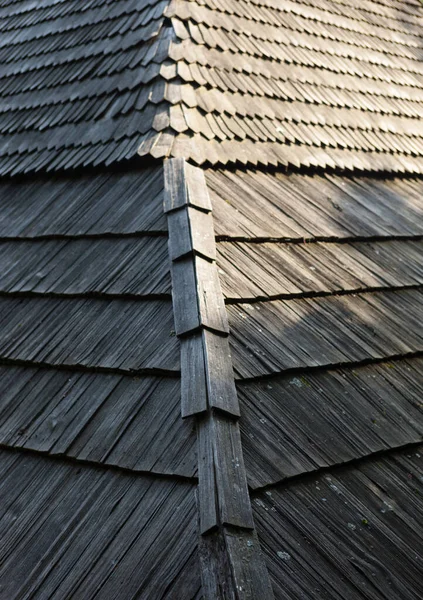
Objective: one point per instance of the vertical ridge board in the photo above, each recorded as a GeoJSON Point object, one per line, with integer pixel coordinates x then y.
{"type": "Point", "coordinates": [223, 491]}
{"type": "Point", "coordinates": [184, 185]}
{"type": "Point", "coordinates": [194, 398]}
{"type": "Point", "coordinates": [198, 299]}
{"type": "Point", "coordinates": [221, 389]}
{"type": "Point", "coordinates": [207, 378]}
{"type": "Point", "coordinates": [232, 566]}
{"type": "Point", "coordinates": [200, 239]}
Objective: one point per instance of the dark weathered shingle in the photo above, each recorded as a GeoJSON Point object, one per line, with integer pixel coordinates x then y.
{"type": "Point", "coordinates": [250, 271]}
{"type": "Point", "coordinates": [103, 204]}
{"type": "Point", "coordinates": [353, 533]}
{"type": "Point", "coordinates": [282, 83]}
{"type": "Point", "coordinates": [84, 533]}
{"type": "Point", "coordinates": [252, 204]}
{"type": "Point", "coordinates": [126, 266]}
{"type": "Point", "coordinates": [270, 337]}
{"type": "Point", "coordinates": [303, 422]}
{"type": "Point", "coordinates": [322, 273]}
{"type": "Point", "coordinates": [131, 422]}
{"type": "Point", "coordinates": [129, 335]}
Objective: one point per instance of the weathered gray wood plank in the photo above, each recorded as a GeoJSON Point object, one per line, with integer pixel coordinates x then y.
{"type": "Point", "coordinates": [221, 454]}
{"type": "Point", "coordinates": [207, 487]}
{"type": "Point", "coordinates": [175, 190]}
{"type": "Point", "coordinates": [193, 376]}
{"type": "Point", "coordinates": [184, 184]}
{"type": "Point", "coordinates": [220, 377]}
{"type": "Point", "coordinates": [198, 194]}
{"type": "Point", "coordinates": [191, 231]}
{"type": "Point", "coordinates": [211, 304]}
{"type": "Point", "coordinates": [202, 233]}
{"type": "Point", "coordinates": [185, 302]}
{"type": "Point", "coordinates": [180, 242]}
{"type": "Point", "coordinates": [233, 567]}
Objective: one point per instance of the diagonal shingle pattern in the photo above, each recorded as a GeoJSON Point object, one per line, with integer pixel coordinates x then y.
{"type": "Point", "coordinates": [326, 349]}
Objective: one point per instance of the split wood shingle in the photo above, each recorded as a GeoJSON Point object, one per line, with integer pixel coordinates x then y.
{"type": "Point", "coordinates": [326, 347]}
{"type": "Point", "coordinates": [355, 532]}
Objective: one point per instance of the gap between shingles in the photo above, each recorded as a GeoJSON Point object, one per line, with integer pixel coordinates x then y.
{"type": "Point", "coordinates": [85, 295]}
{"type": "Point", "coordinates": [335, 468]}
{"type": "Point", "coordinates": [324, 294]}
{"type": "Point", "coordinates": [98, 466]}
{"type": "Point", "coordinates": [319, 239]}
{"type": "Point", "coordinates": [16, 362]}
{"type": "Point", "coordinates": [329, 367]}
{"type": "Point", "coordinates": [84, 236]}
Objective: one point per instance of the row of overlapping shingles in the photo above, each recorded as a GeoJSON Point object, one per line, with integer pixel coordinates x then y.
{"type": "Point", "coordinates": [261, 47]}
{"type": "Point", "coordinates": [326, 348]}
{"type": "Point", "coordinates": [73, 81]}
{"type": "Point", "coordinates": [89, 371]}
{"type": "Point", "coordinates": [284, 83]}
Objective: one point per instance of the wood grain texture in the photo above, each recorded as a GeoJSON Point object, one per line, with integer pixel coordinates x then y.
{"type": "Point", "coordinates": [186, 308]}
{"type": "Point", "coordinates": [210, 297]}
{"type": "Point", "coordinates": [175, 185]}
{"type": "Point", "coordinates": [271, 337]}
{"type": "Point", "coordinates": [53, 544]}
{"type": "Point", "coordinates": [303, 422]}
{"type": "Point", "coordinates": [233, 567]}
{"type": "Point", "coordinates": [302, 86]}
{"type": "Point", "coordinates": [179, 245]}
{"type": "Point", "coordinates": [223, 493]}
{"type": "Point", "coordinates": [194, 393]}
{"type": "Point", "coordinates": [207, 375]}
{"type": "Point", "coordinates": [128, 335]}
{"type": "Point", "coordinates": [184, 185]}
{"type": "Point", "coordinates": [353, 532]}
{"type": "Point", "coordinates": [249, 271]}
{"type": "Point", "coordinates": [208, 499]}
{"type": "Point", "coordinates": [130, 266]}
{"type": "Point", "coordinates": [197, 297]}
{"type": "Point", "coordinates": [121, 420]}
{"type": "Point", "coordinates": [198, 235]}
{"type": "Point", "coordinates": [252, 204]}
{"type": "Point", "coordinates": [222, 394]}
{"type": "Point", "coordinates": [202, 233]}
{"type": "Point", "coordinates": [231, 563]}
{"type": "Point", "coordinates": [95, 205]}
{"type": "Point", "coordinates": [198, 194]}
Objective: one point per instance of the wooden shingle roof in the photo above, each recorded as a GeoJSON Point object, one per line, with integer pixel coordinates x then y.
{"type": "Point", "coordinates": [284, 83]}
{"type": "Point", "coordinates": [211, 299]}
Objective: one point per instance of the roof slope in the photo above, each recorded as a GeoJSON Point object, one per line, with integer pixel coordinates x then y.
{"type": "Point", "coordinates": [98, 533]}
{"type": "Point", "coordinates": [283, 83]}
{"type": "Point", "coordinates": [90, 372]}
{"type": "Point", "coordinates": [354, 532]}
{"type": "Point", "coordinates": [323, 283]}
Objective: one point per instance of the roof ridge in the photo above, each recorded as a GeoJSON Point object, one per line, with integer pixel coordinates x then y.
{"type": "Point", "coordinates": [231, 560]}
